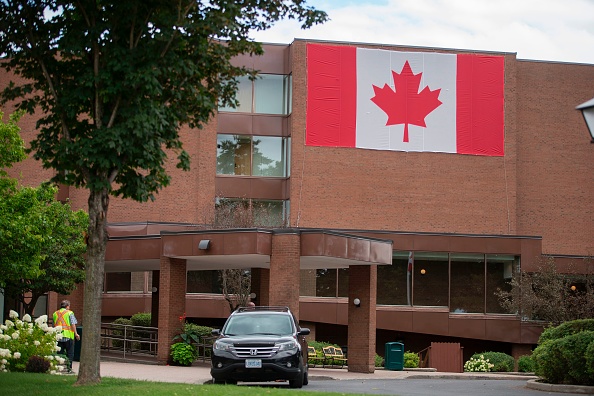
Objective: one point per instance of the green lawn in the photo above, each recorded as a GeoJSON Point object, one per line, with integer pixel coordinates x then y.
{"type": "Point", "coordinates": [45, 384]}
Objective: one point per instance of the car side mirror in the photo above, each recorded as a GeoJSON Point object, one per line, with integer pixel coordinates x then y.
{"type": "Point", "coordinates": [215, 332]}
{"type": "Point", "coordinates": [304, 331]}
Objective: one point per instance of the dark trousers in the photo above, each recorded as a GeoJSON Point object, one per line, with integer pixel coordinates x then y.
{"type": "Point", "coordinates": [67, 348]}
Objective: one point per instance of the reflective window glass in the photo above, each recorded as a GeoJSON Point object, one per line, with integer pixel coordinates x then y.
{"type": "Point", "coordinates": [393, 286]}
{"type": "Point", "coordinates": [243, 96]}
{"type": "Point", "coordinates": [267, 94]}
{"type": "Point", "coordinates": [430, 279]}
{"type": "Point", "coordinates": [467, 291]}
{"type": "Point", "coordinates": [500, 270]}
{"type": "Point", "coordinates": [269, 156]}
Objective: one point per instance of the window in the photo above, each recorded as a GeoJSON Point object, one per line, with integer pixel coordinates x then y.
{"type": "Point", "coordinates": [245, 155]}
{"type": "Point", "coordinates": [430, 279]}
{"type": "Point", "coordinates": [467, 290]}
{"type": "Point", "coordinates": [500, 270]}
{"type": "Point", "coordinates": [127, 281]}
{"type": "Point", "coordinates": [267, 94]}
{"type": "Point", "coordinates": [207, 281]}
{"type": "Point", "coordinates": [233, 213]}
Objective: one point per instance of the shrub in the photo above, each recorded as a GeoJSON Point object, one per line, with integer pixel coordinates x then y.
{"type": "Point", "coordinates": [142, 319]}
{"type": "Point", "coordinates": [183, 354]}
{"type": "Point", "coordinates": [37, 364]}
{"type": "Point", "coordinates": [411, 360]}
{"type": "Point", "coordinates": [478, 364]}
{"type": "Point", "coordinates": [566, 360]}
{"type": "Point", "coordinates": [199, 331]}
{"type": "Point", "coordinates": [525, 364]}
{"type": "Point", "coordinates": [119, 331]}
{"type": "Point", "coordinates": [501, 362]}
{"type": "Point", "coordinates": [21, 339]}
{"type": "Point", "coordinates": [565, 329]}
{"type": "Point", "coordinates": [378, 361]}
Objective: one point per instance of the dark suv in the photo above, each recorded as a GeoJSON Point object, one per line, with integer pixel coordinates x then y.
{"type": "Point", "coordinates": [260, 344]}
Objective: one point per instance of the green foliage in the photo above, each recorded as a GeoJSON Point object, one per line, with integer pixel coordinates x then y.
{"type": "Point", "coordinates": [12, 147]}
{"type": "Point", "coordinates": [501, 362]}
{"type": "Point", "coordinates": [478, 364]}
{"type": "Point", "coordinates": [37, 364]}
{"type": "Point", "coordinates": [411, 360]}
{"type": "Point", "coordinates": [141, 319]}
{"type": "Point", "coordinates": [22, 339]}
{"type": "Point", "coordinates": [198, 331]}
{"type": "Point", "coordinates": [565, 329]}
{"type": "Point", "coordinates": [119, 331]}
{"type": "Point", "coordinates": [113, 83]}
{"type": "Point", "coordinates": [565, 360]}
{"type": "Point", "coordinates": [183, 354]}
{"type": "Point", "coordinates": [525, 364]}
{"type": "Point", "coordinates": [378, 361]}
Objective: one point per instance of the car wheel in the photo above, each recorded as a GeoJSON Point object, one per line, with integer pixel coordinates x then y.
{"type": "Point", "coordinates": [305, 378]}
{"type": "Point", "coordinates": [299, 381]}
{"type": "Point", "coordinates": [216, 381]}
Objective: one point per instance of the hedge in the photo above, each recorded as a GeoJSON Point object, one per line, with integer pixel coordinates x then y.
{"type": "Point", "coordinates": [565, 329]}
{"type": "Point", "coordinates": [501, 362]}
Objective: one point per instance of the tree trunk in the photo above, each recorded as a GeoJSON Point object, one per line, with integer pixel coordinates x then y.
{"type": "Point", "coordinates": [89, 369]}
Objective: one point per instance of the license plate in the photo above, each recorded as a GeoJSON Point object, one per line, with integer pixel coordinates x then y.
{"type": "Point", "coordinates": [253, 363]}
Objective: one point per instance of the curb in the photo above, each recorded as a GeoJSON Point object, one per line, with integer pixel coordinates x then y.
{"type": "Point", "coordinates": [542, 386]}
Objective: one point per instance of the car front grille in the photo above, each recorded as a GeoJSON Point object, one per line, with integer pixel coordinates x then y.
{"type": "Point", "coordinates": [249, 352]}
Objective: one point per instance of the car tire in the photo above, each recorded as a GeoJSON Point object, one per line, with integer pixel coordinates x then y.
{"type": "Point", "coordinates": [305, 378]}
{"type": "Point", "coordinates": [300, 380]}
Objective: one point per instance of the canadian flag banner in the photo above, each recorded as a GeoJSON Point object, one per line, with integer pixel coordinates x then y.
{"type": "Point", "coordinates": [405, 101]}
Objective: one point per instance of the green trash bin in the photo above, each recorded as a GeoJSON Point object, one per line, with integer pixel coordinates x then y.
{"type": "Point", "coordinates": [394, 356]}
{"type": "Point", "coordinates": [77, 344]}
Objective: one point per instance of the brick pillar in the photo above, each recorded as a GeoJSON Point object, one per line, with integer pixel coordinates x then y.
{"type": "Point", "coordinates": [172, 302]}
{"type": "Point", "coordinates": [263, 290]}
{"type": "Point", "coordinates": [520, 350]}
{"type": "Point", "coordinates": [362, 320]}
{"type": "Point", "coordinates": [283, 286]}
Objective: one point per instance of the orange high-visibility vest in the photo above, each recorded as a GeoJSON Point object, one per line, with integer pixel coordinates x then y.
{"type": "Point", "coordinates": [62, 318]}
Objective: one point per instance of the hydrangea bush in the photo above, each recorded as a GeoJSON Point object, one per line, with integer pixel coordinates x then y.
{"type": "Point", "coordinates": [22, 339]}
{"type": "Point", "coordinates": [479, 364]}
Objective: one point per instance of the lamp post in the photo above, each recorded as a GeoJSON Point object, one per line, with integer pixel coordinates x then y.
{"type": "Point", "coordinates": [587, 109]}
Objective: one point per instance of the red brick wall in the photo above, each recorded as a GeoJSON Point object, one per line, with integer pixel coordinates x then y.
{"type": "Point", "coordinates": [362, 319]}
{"type": "Point", "coordinates": [555, 157]}
{"type": "Point", "coordinates": [284, 271]}
{"type": "Point", "coordinates": [172, 303]}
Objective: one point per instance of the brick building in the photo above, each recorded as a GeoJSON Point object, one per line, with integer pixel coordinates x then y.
{"type": "Point", "coordinates": [423, 237]}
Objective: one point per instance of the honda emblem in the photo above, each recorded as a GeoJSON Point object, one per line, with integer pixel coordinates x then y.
{"type": "Point", "coordinates": [253, 352]}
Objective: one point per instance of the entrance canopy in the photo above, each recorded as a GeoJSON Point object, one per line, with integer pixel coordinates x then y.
{"type": "Point", "coordinates": [139, 247]}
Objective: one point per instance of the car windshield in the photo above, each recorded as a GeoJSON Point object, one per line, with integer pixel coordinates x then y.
{"type": "Point", "coordinates": [261, 324]}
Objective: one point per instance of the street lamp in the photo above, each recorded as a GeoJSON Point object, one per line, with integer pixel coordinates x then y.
{"type": "Point", "coordinates": [587, 109]}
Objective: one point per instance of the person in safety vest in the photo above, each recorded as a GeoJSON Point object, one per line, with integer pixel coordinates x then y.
{"type": "Point", "coordinates": [65, 317]}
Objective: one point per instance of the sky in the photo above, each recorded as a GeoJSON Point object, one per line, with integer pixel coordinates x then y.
{"type": "Point", "coordinates": [548, 30]}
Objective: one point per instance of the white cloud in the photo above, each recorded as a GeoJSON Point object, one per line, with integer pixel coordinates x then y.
{"type": "Point", "coordinates": [557, 30]}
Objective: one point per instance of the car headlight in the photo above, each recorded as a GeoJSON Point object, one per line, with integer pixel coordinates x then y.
{"type": "Point", "coordinates": [287, 346]}
{"type": "Point", "coordinates": [221, 345]}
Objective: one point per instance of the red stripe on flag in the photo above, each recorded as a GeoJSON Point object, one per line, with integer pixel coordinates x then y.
{"type": "Point", "coordinates": [331, 95]}
{"type": "Point", "coordinates": [479, 108]}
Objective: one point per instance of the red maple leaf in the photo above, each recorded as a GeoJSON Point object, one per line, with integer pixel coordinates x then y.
{"type": "Point", "coordinates": [406, 105]}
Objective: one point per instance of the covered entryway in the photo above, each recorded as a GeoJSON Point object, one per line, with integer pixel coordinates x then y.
{"type": "Point", "coordinates": [277, 255]}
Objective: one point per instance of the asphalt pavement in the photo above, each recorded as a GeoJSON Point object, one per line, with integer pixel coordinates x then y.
{"type": "Point", "coordinates": [199, 373]}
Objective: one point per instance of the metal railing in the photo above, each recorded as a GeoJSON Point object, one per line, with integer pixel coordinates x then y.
{"type": "Point", "coordinates": [129, 340]}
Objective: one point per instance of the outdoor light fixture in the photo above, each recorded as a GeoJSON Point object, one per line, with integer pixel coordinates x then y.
{"type": "Point", "coordinates": [204, 244]}
{"type": "Point", "coordinates": [573, 287]}
{"type": "Point", "coordinates": [423, 272]}
{"type": "Point", "coordinates": [587, 109]}
{"type": "Point", "coordinates": [154, 289]}
{"type": "Point", "coordinates": [357, 302]}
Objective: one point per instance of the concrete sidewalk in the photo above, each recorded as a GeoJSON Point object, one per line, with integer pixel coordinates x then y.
{"type": "Point", "coordinates": [199, 373]}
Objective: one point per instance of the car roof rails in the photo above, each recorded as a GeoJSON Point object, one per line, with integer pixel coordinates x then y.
{"type": "Point", "coordinates": [263, 308]}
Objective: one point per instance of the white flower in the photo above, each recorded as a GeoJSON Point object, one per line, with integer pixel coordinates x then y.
{"type": "Point", "coordinates": [17, 355]}
{"type": "Point", "coordinates": [41, 320]}
{"type": "Point", "coordinates": [50, 357]}
{"type": "Point", "coordinates": [9, 324]}
{"type": "Point", "coordinates": [15, 335]}
{"type": "Point", "coordinates": [12, 314]}
{"type": "Point", "coordinates": [27, 318]}
{"type": "Point", "coordinates": [60, 360]}
{"type": "Point", "coordinates": [45, 327]}
{"type": "Point", "coordinates": [57, 329]}
{"type": "Point", "coordinates": [37, 343]}
{"type": "Point", "coordinates": [57, 348]}
{"type": "Point", "coordinates": [3, 361]}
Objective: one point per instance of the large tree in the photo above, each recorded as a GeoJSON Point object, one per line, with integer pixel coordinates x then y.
{"type": "Point", "coordinates": [549, 296]}
{"type": "Point", "coordinates": [41, 240]}
{"type": "Point", "coordinates": [115, 80]}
